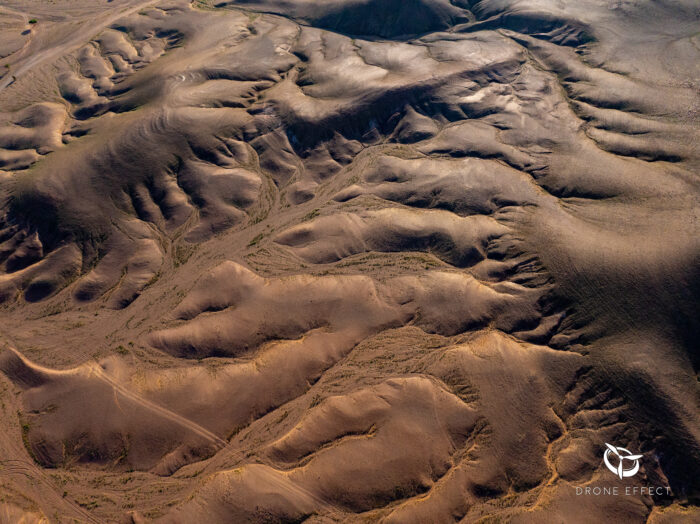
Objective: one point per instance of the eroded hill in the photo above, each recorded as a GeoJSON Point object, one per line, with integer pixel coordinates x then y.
{"type": "Point", "coordinates": [348, 261]}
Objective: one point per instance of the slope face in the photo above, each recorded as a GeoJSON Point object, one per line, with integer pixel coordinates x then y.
{"type": "Point", "coordinates": [372, 18]}
{"type": "Point", "coordinates": [348, 261]}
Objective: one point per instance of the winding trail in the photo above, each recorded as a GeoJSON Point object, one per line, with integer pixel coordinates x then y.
{"type": "Point", "coordinates": [98, 372]}
{"type": "Point", "coordinates": [94, 369]}
{"type": "Point", "coordinates": [79, 39]}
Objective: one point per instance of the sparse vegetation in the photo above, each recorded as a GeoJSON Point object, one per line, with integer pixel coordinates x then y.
{"type": "Point", "coordinates": [182, 253]}
{"type": "Point", "coordinates": [256, 240]}
{"type": "Point", "coordinates": [310, 216]}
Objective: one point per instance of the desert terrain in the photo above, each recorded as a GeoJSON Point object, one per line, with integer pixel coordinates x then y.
{"type": "Point", "coordinates": [349, 261]}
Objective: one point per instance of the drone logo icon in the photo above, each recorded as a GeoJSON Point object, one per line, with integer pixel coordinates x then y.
{"type": "Point", "coordinates": [623, 455]}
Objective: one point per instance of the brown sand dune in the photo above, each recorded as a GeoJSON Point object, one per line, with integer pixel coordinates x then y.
{"type": "Point", "coordinates": [83, 416]}
{"type": "Point", "coordinates": [348, 261]}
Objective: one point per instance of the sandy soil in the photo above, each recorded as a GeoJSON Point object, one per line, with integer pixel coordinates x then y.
{"type": "Point", "coordinates": [348, 261]}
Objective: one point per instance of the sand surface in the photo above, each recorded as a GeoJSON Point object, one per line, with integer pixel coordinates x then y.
{"type": "Point", "coordinates": [348, 261]}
